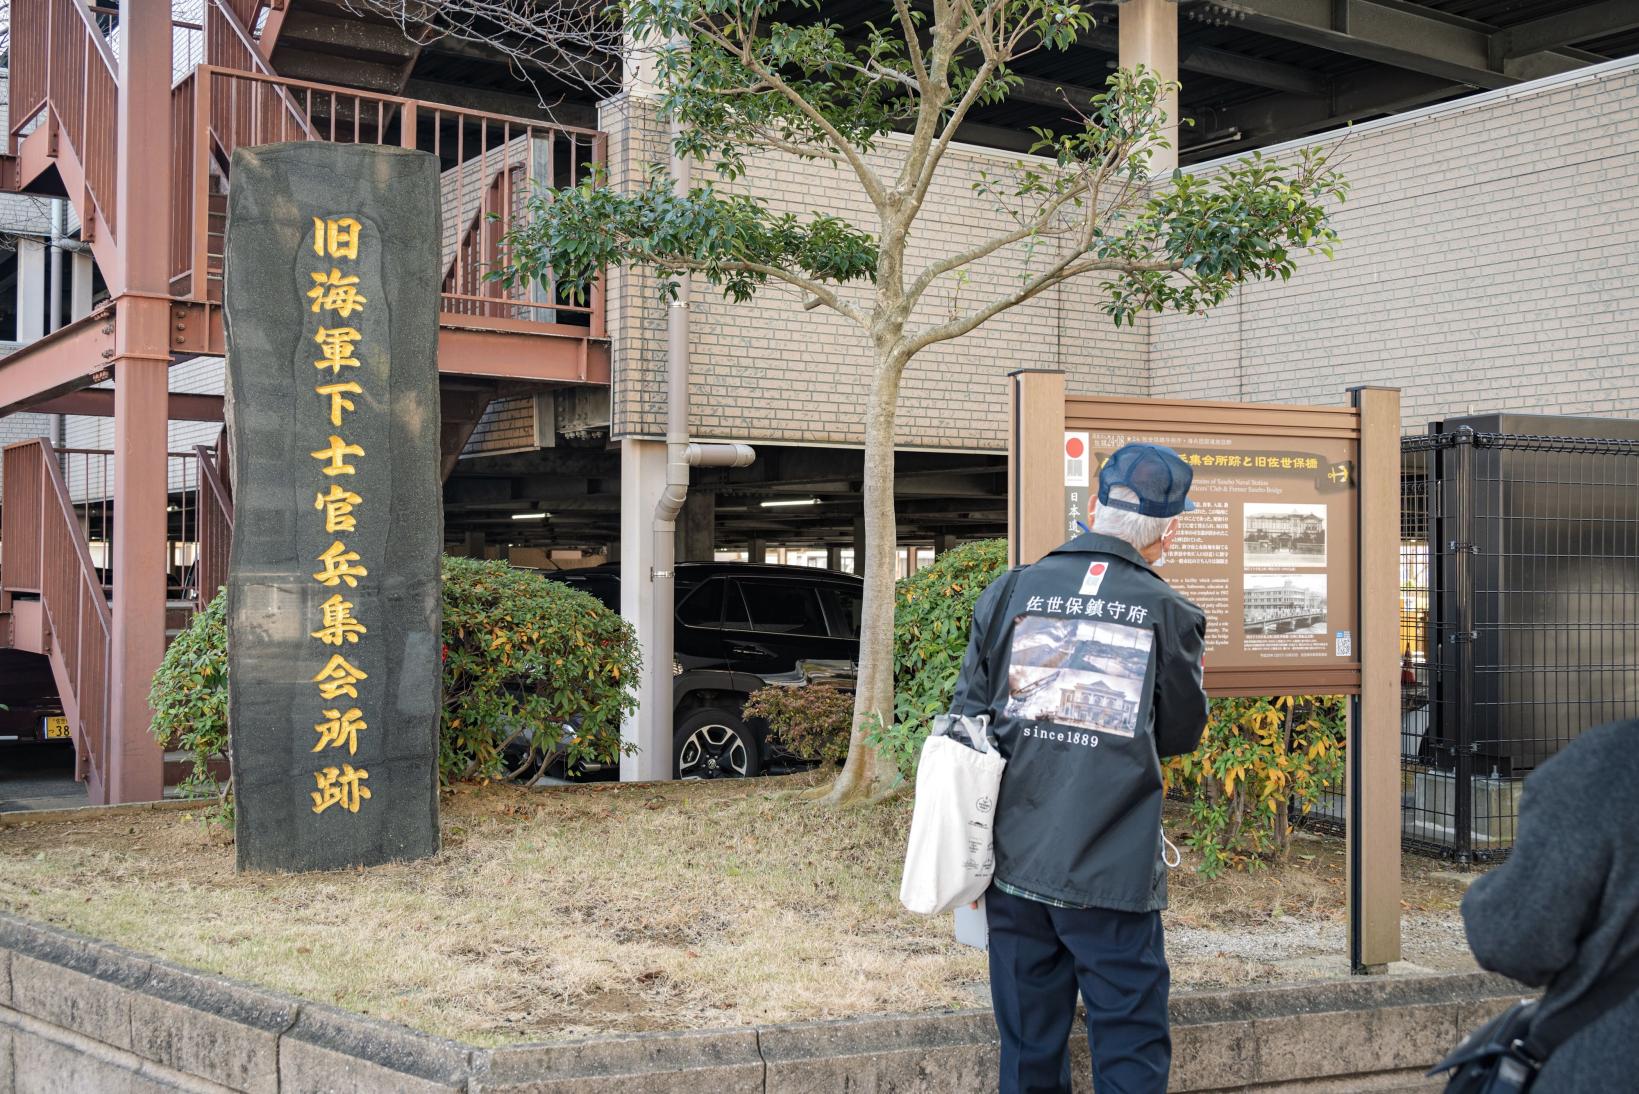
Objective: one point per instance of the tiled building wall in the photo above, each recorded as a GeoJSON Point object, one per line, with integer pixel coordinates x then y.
{"type": "Point", "coordinates": [508, 425]}
{"type": "Point", "coordinates": [768, 370]}
{"type": "Point", "coordinates": [1488, 261]}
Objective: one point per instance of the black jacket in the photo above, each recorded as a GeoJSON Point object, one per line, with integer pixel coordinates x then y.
{"type": "Point", "coordinates": [1090, 673]}
{"type": "Point", "coordinates": [1564, 909]}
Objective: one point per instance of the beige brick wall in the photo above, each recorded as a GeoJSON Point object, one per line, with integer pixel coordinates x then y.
{"type": "Point", "coordinates": [769, 371]}
{"type": "Point", "coordinates": [1489, 257]}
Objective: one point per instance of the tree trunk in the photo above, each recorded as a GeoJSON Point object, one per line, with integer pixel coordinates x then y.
{"type": "Point", "coordinates": [868, 775]}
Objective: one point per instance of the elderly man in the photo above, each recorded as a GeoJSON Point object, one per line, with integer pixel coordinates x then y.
{"type": "Point", "coordinates": [1090, 673]}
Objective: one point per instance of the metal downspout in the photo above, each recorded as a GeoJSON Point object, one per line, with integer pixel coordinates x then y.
{"type": "Point", "coordinates": [680, 456]}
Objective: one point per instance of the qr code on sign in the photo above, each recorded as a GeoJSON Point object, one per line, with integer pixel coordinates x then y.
{"type": "Point", "coordinates": [1345, 644]}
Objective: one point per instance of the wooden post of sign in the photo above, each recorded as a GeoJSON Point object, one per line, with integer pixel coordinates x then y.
{"type": "Point", "coordinates": [1035, 455]}
{"type": "Point", "coordinates": [1374, 782]}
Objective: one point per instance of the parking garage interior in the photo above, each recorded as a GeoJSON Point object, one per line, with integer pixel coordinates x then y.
{"type": "Point", "coordinates": [541, 488]}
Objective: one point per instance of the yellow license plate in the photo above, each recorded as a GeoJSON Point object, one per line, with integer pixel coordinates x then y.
{"type": "Point", "coordinates": [57, 727]}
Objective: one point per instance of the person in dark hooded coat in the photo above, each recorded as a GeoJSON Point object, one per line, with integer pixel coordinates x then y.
{"type": "Point", "coordinates": [1563, 910]}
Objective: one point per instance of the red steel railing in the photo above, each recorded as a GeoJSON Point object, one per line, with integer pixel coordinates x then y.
{"type": "Point", "coordinates": [20, 517]}
{"type": "Point", "coordinates": [45, 554]}
{"type": "Point", "coordinates": [215, 524]}
{"type": "Point", "coordinates": [490, 163]}
{"type": "Point", "coordinates": [61, 63]}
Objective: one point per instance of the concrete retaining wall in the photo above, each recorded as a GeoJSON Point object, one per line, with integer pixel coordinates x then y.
{"type": "Point", "coordinates": [80, 1015]}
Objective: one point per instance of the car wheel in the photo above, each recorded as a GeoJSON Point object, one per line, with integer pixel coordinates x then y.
{"type": "Point", "coordinates": [713, 744]}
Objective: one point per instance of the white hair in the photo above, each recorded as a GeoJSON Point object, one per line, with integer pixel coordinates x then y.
{"type": "Point", "coordinates": [1133, 528]}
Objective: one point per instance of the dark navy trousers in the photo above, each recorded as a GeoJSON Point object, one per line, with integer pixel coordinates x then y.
{"type": "Point", "coordinates": [1039, 955]}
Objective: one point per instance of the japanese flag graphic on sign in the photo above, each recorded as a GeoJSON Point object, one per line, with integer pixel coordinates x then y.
{"type": "Point", "coordinates": [1075, 459]}
{"type": "Point", "coordinates": [1094, 578]}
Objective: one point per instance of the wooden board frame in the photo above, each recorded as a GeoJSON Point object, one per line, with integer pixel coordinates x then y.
{"type": "Point", "coordinates": [1040, 414]}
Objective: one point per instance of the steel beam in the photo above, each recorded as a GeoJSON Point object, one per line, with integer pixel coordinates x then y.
{"type": "Point", "coordinates": [500, 102]}
{"type": "Point", "coordinates": [352, 38]}
{"type": "Point", "coordinates": [99, 403]}
{"type": "Point", "coordinates": [1278, 118]}
{"type": "Point", "coordinates": [1564, 28]}
{"type": "Point", "coordinates": [65, 360]}
{"type": "Point", "coordinates": [1452, 49]}
{"type": "Point", "coordinates": [1251, 70]}
{"type": "Point", "coordinates": [488, 349]}
{"type": "Point", "coordinates": [1206, 61]}
{"type": "Point", "coordinates": [519, 354]}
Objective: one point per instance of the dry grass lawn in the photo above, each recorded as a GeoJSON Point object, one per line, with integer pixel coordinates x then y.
{"type": "Point", "coordinates": [553, 913]}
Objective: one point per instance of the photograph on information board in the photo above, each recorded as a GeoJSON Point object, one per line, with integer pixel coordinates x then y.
{"type": "Point", "coordinates": [1284, 604]}
{"type": "Point", "coordinates": [1284, 534]}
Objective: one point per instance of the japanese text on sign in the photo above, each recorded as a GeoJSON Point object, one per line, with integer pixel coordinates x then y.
{"type": "Point", "coordinates": [335, 290]}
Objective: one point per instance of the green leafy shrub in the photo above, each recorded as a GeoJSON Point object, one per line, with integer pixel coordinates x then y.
{"type": "Point", "coordinates": [1259, 760]}
{"type": "Point", "coordinates": [526, 654]}
{"type": "Point", "coordinates": [190, 697]}
{"type": "Point", "coordinates": [522, 656]}
{"type": "Point", "coordinates": [933, 613]}
{"type": "Point", "coordinates": [813, 722]}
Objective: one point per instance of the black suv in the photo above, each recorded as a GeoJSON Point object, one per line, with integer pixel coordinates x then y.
{"type": "Point", "coordinates": [741, 626]}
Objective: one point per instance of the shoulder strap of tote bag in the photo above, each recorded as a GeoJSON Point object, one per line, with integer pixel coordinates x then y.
{"type": "Point", "coordinates": [998, 617]}
{"type": "Point", "coordinates": [1613, 989]}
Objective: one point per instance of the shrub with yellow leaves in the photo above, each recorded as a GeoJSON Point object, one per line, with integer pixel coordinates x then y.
{"type": "Point", "coordinates": [523, 657]}
{"type": "Point", "coordinates": [1260, 761]}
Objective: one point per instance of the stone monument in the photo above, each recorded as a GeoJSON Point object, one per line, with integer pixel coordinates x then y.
{"type": "Point", "coordinates": [330, 303]}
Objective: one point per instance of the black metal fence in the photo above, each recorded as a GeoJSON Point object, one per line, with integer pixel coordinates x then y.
{"type": "Point", "coordinates": [1519, 618]}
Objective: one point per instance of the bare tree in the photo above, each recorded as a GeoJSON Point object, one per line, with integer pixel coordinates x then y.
{"type": "Point", "coordinates": [547, 43]}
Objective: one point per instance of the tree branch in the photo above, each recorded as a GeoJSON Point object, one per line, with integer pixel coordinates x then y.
{"type": "Point", "coordinates": [1066, 269]}
{"type": "Point", "coordinates": [913, 44]}
{"type": "Point", "coordinates": [818, 290]}
{"type": "Point", "coordinates": [984, 250]}
{"type": "Point", "coordinates": [743, 53]}
{"type": "Point", "coordinates": [801, 151]}
{"type": "Point", "coordinates": [569, 42]}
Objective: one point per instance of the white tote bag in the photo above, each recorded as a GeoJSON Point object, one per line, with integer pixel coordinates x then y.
{"type": "Point", "coordinates": [950, 856]}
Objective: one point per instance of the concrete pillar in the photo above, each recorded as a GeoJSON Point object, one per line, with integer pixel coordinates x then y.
{"type": "Point", "coordinates": [757, 551]}
{"type": "Point", "coordinates": [31, 289]}
{"type": "Point", "coordinates": [474, 544]}
{"type": "Point", "coordinates": [141, 365]}
{"type": "Point", "coordinates": [942, 542]}
{"type": "Point", "coordinates": [1148, 32]}
{"type": "Point", "coordinates": [642, 479]}
{"type": "Point", "coordinates": [859, 545]}
{"type": "Point", "coordinates": [79, 286]}
{"type": "Point", "coordinates": [697, 527]}
{"type": "Point", "coordinates": [833, 557]}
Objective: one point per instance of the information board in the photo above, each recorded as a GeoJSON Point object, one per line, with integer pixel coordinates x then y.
{"type": "Point", "coordinates": [1270, 552]}
{"type": "Point", "coordinates": [1293, 552]}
